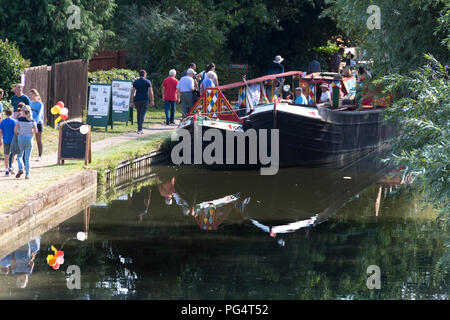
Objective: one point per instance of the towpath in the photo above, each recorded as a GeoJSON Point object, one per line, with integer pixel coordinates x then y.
{"type": "Point", "coordinates": [41, 177]}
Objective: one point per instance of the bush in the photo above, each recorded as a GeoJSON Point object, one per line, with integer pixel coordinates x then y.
{"type": "Point", "coordinates": [113, 74]}
{"type": "Point", "coordinates": [12, 65]}
{"type": "Point", "coordinates": [325, 53]}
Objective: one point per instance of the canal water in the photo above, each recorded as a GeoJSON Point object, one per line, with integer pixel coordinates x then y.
{"type": "Point", "coordinates": [193, 233]}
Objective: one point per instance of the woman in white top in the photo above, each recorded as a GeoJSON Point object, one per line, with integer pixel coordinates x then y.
{"type": "Point", "coordinates": [325, 97]}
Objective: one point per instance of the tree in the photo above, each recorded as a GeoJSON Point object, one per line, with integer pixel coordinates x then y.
{"type": "Point", "coordinates": [12, 64]}
{"type": "Point", "coordinates": [422, 109]}
{"type": "Point", "coordinates": [47, 31]}
{"type": "Point", "coordinates": [408, 29]}
{"type": "Point", "coordinates": [173, 33]}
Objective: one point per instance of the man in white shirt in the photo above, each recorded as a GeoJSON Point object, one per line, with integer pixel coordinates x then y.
{"type": "Point", "coordinates": [185, 90]}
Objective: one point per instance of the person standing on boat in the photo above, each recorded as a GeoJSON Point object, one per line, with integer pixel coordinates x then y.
{"type": "Point", "coordinates": [185, 91]}
{"type": "Point", "coordinates": [336, 61]}
{"type": "Point", "coordinates": [314, 65]}
{"type": "Point", "coordinates": [325, 97]}
{"type": "Point", "coordinates": [276, 66]}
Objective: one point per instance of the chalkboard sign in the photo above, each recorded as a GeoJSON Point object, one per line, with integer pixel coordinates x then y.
{"type": "Point", "coordinates": [74, 145]}
{"type": "Point", "coordinates": [99, 105]}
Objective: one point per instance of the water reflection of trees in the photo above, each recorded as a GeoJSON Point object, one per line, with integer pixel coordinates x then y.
{"type": "Point", "coordinates": [166, 256]}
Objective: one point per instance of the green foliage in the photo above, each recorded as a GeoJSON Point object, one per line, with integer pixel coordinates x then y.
{"type": "Point", "coordinates": [158, 40]}
{"type": "Point", "coordinates": [165, 34]}
{"type": "Point", "coordinates": [408, 29]}
{"type": "Point", "coordinates": [40, 28]}
{"type": "Point", "coordinates": [326, 52]}
{"type": "Point", "coordinates": [422, 109]}
{"type": "Point", "coordinates": [444, 24]}
{"type": "Point", "coordinates": [12, 64]}
{"type": "Point", "coordinates": [113, 74]}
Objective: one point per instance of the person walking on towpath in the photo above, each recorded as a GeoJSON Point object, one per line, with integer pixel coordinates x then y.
{"type": "Point", "coordinates": [6, 135]}
{"type": "Point", "coordinates": [25, 128]}
{"type": "Point", "coordinates": [19, 97]}
{"type": "Point", "coordinates": [185, 89]}
{"type": "Point", "coordinates": [37, 107]}
{"type": "Point", "coordinates": [169, 94]}
{"type": "Point", "coordinates": [143, 94]}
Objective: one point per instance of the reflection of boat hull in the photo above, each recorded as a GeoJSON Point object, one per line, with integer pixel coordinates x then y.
{"type": "Point", "coordinates": [292, 194]}
{"type": "Point", "coordinates": [322, 135]}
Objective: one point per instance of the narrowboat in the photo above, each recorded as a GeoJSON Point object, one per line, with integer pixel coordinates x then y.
{"type": "Point", "coordinates": [311, 133]}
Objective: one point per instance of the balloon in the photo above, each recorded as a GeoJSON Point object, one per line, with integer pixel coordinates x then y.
{"type": "Point", "coordinates": [55, 109]}
{"type": "Point", "coordinates": [63, 116]}
{"type": "Point", "coordinates": [58, 120]}
{"type": "Point", "coordinates": [64, 111]}
{"type": "Point", "coordinates": [84, 129]}
{"type": "Point", "coordinates": [81, 235]}
{"type": "Point", "coordinates": [61, 104]}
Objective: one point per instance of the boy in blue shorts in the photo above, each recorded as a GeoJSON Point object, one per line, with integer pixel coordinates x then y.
{"type": "Point", "coordinates": [6, 135]}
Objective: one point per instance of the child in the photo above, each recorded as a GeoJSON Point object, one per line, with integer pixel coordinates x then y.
{"type": "Point", "coordinates": [25, 129]}
{"type": "Point", "coordinates": [7, 131]}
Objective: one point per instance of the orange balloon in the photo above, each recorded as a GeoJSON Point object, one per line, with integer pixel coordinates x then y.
{"type": "Point", "coordinates": [64, 116]}
{"type": "Point", "coordinates": [61, 104]}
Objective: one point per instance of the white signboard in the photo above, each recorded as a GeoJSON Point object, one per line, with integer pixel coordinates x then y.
{"type": "Point", "coordinates": [121, 93]}
{"type": "Point", "coordinates": [99, 99]}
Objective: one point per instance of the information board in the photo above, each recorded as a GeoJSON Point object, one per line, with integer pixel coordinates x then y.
{"type": "Point", "coordinates": [99, 105]}
{"type": "Point", "coordinates": [121, 94]}
{"type": "Point", "coordinates": [73, 144]}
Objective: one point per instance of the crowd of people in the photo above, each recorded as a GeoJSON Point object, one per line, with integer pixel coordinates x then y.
{"type": "Point", "coordinates": [185, 91]}
{"type": "Point", "coordinates": [338, 64]}
{"type": "Point", "coordinates": [24, 121]}
{"type": "Point", "coordinates": [191, 85]}
{"type": "Point", "coordinates": [18, 127]}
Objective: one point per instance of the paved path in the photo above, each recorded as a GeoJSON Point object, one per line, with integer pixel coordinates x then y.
{"type": "Point", "coordinates": [52, 158]}
{"type": "Point", "coordinates": [11, 185]}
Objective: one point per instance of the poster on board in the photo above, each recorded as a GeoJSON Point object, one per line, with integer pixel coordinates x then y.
{"type": "Point", "coordinates": [99, 100]}
{"type": "Point", "coordinates": [121, 94]}
{"type": "Point", "coordinates": [99, 104]}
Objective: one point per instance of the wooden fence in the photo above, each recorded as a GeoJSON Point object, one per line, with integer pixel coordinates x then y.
{"type": "Point", "coordinates": [107, 60]}
{"type": "Point", "coordinates": [65, 81]}
{"type": "Point", "coordinates": [38, 78]}
{"type": "Point", "coordinates": [69, 83]}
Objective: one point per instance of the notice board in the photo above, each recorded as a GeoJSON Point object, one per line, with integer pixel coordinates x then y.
{"type": "Point", "coordinates": [99, 105]}
{"type": "Point", "coordinates": [121, 95]}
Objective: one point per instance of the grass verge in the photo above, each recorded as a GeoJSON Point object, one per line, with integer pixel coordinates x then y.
{"type": "Point", "coordinates": [108, 158]}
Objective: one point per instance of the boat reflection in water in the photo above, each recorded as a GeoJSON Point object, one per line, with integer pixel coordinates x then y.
{"type": "Point", "coordinates": [294, 199]}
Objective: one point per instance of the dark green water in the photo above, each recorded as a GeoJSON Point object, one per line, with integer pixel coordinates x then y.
{"type": "Point", "coordinates": [306, 233]}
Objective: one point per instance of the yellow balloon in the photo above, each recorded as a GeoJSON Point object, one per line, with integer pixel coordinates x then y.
{"type": "Point", "coordinates": [55, 110]}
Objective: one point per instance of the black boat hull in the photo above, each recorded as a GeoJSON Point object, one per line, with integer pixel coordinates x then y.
{"type": "Point", "coordinates": [337, 137]}
{"type": "Point", "coordinates": [329, 137]}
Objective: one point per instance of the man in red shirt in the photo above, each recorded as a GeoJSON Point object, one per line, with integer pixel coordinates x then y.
{"type": "Point", "coordinates": [169, 94]}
